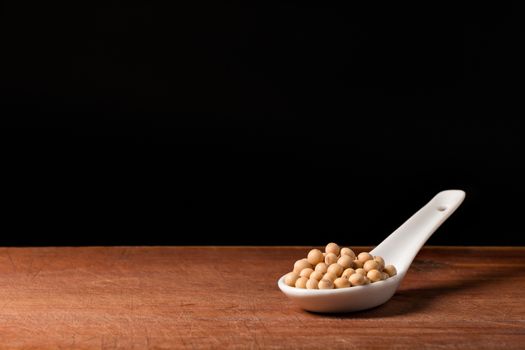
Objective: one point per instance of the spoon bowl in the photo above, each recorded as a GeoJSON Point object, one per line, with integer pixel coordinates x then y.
{"type": "Point", "coordinates": [398, 249]}
{"type": "Point", "coordinates": [345, 299]}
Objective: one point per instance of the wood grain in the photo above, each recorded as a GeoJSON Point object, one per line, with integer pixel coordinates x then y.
{"type": "Point", "coordinates": [226, 297]}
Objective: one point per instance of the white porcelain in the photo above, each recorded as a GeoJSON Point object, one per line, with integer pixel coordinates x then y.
{"type": "Point", "coordinates": [398, 249]}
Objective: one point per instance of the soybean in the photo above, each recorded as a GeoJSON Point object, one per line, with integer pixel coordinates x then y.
{"type": "Point", "coordinates": [325, 284]}
{"type": "Point", "coordinates": [330, 259]}
{"type": "Point", "coordinates": [332, 248]}
{"type": "Point", "coordinates": [380, 262]}
{"type": "Point", "coordinates": [336, 269]}
{"type": "Point", "coordinates": [306, 272]}
{"type": "Point", "coordinates": [347, 251]}
{"type": "Point", "coordinates": [357, 279]}
{"type": "Point", "coordinates": [361, 271]}
{"type": "Point", "coordinates": [301, 265]}
{"type": "Point", "coordinates": [321, 267]}
{"type": "Point", "coordinates": [391, 270]}
{"type": "Point", "coordinates": [374, 275]}
{"type": "Point", "coordinates": [346, 261]}
{"type": "Point", "coordinates": [312, 284]}
{"type": "Point", "coordinates": [315, 256]}
{"type": "Point", "coordinates": [341, 282]}
{"type": "Point", "coordinates": [370, 265]}
{"type": "Point", "coordinates": [316, 275]}
{"type": "Point", "coordinates": [348, 272]}
{"type": "Point", "coordinates": [364, 257]}
{"type": "Point", "coordinates": [291, 278]}
{"type": "Point", "coordinates": [330, 276]}
{"type": "Point", "coordinates": [301, 282]}
{"type": "Point", "coordinates": [357, 264]}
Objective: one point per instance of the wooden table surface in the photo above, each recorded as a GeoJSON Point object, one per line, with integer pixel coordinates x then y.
{"type": "Point", "coordinates": [227, 297]}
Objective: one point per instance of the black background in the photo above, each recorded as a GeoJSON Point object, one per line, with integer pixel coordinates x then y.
{"type": "Point", "coordinates": [221, 123]}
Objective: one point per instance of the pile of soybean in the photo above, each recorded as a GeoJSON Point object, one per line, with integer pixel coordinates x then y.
{"type": "Point", "coordinates": [338, 268]}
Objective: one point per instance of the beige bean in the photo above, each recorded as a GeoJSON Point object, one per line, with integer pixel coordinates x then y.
{"type": "Point", "coordinates": [357, 279]}
{"type": "Point", "coordinates": [348, 272]}
{"type": "Point", "coordinates": [301, 265]}
{"type": "Point", "coordinates": [315, 256]}
{"type": "Point", "coordinates": [361, 271]}
{"type": "Point", "coordinates": [316, 275]}
{"type": "Point", "coordinates": [306, 272]}
{"type": "Point", "coordinates": [370, 265]}
{"type": "Point", "coordinates": [325, 284]}
{"type": "Point", "coordinates": [381, 262]}
{"type": "Point", "coordinates": [291, 278]}
{"type": "Point", "coordinates": [347, 251]}
{"type": "Point", "coordinates": [345, 261]}
{"type": "Point", "coordinates": [332, 248]}
{"type": "Point", "coordinates": [321, 267]}
{"type": "Point", "coordinates": [336, 269]}
{"type": "Point", "coordinates": [374, 275]}
{"type": "Point", "coordinates": [330, 259]}
{"type": "Point", "coordinates": [341, 282]}
{"type": "Point", "coordinates": [301, 282]}
{"type": "Point", "coordinates": [364, 257]}
{"type": "Point", "coordinates": [312, 284]}
{"type": "Point", "coordinates": [357, 264]}
{"type": "Point", "coordinates": [330, 276]}
{"type": "Point", "coordinates": [390, 270]}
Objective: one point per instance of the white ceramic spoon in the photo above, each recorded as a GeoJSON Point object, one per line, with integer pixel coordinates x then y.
{"type": "Point", "coordinates": [398, 249]}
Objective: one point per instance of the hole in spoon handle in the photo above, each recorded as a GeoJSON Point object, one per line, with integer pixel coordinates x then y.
{"type": "Point", "coordinates": [403, 244]}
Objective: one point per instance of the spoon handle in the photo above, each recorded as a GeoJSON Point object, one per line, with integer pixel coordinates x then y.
{"type": "Point", "coordinates": [401, 247]}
